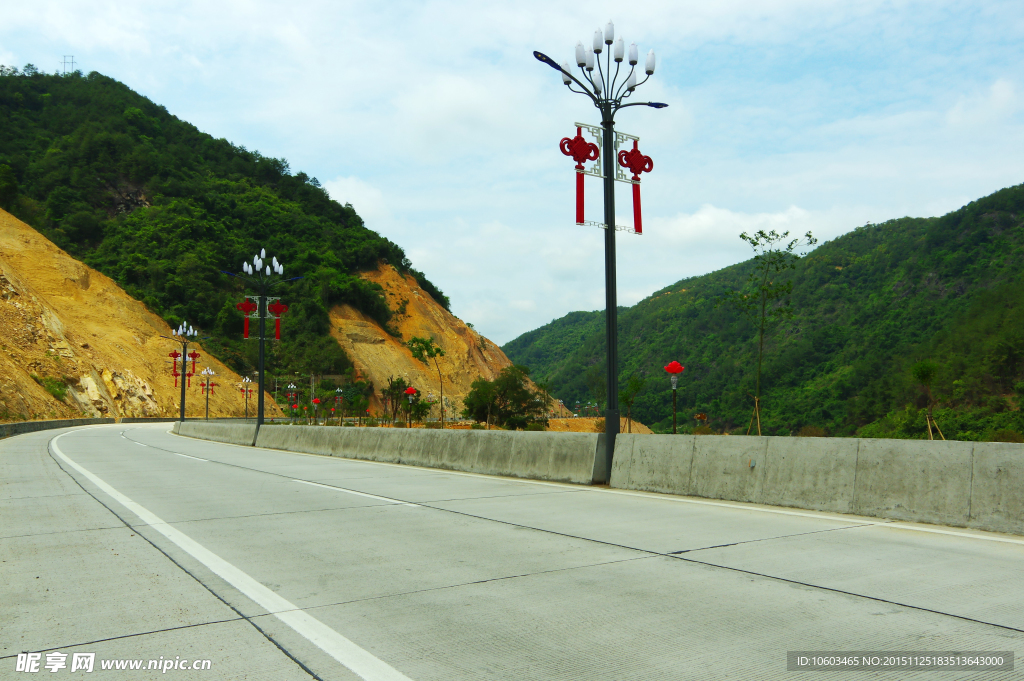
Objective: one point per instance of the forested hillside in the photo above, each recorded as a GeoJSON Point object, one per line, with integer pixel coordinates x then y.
{"type": "Point", "coordinates": [868, 307]}
{"type": "Point", "coordinates": [163, 208]}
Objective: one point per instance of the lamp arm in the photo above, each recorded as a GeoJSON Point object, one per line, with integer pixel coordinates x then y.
{"type": "Point", "coordinates": [619, 93]}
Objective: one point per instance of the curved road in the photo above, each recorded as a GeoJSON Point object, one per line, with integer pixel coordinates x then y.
{"type": "Point", "coordinates": [131, 543]}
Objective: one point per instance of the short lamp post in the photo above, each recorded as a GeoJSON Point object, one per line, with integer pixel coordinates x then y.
{"type": "Point", "coordinates": [339, 399]}
{"type": "Point", "coordinates": [316, 408]}
{"type": "Point", "coordinates": [607, 91]}
{"type": "Point", "coordinates": [411, 392]}
{"type": "Point", "coordinates": [246, 390]}
{"type": "Point", "coordinates": [674, 369]}
{"type": "Point", "coordinates": [207, 385]}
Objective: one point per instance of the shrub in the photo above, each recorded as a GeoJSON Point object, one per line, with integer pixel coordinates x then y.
{"type": "Point", "coordinates": [1007, 436]}
{"type": "Point", "coordinates": [399, 424]}
{"type": "Point", "coordinates": [599, 425]}
{"type": "Point", "coordinates": [371, 422]}
{"type": "Point", "coordinates": [811, 431]}
{"type": "Point", "coordinates": [535, 427]}
{"type": "Point", "coordinates": [477, 426]}
{"type": "Point", "coordinates": [436, 425]}
{"type": "Point", "coordinates": [55, 386]}
{"type": "Point", "coordinates": [703, 430]}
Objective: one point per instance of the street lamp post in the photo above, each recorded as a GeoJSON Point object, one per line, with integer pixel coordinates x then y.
{"type": "Point", "coordinates": [207, 385]}
{"type": "Point", "coordinates": [607, 93]}
{"type": "Point", "coordinates": [263, 277]}
{"type": "Point", "coordinates": [339, 399]}
{"type": "Point", "coordinates": [411, 392]}
{"type": "Point", "coordinates": [184, 335]}
{"type": "Point", "coordinates": [674, 368]}
{"type": "Point", "coordinates": [246, 391]}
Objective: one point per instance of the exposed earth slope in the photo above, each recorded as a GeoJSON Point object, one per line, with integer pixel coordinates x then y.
{"type": "Point", "coordinates": [378, 355]}
{"type": "Point", "coordinates": [85, 338]}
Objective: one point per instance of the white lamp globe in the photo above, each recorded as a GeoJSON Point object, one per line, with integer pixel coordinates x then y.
{"type": "Point", "coordinates": [581, 55]}
{"type": "Point", "coordinates": [649, 67]}
{"type": "Point", "coordinates": [598, 41]}
{"type": "Point", "coordinates": [620, 49]}
{"type": "Point", "coordinates": [633, 56]}
{"type": "Point", "coordinates": [609, 33]}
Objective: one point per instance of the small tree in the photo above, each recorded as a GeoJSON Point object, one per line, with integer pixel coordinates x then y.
{"type": "Point", "coordinates": [508, 399]}
{"type": "Point", "coordinates": [425, 349]}
{"type": "Point", "coordinates": [596, 382]}
{"type": "Point", "coordinates": [634, 384]}
{"type": "Point", "coordinates": [392, 397]}
{"type": "Point", "coordinates": [765, 297]}
{"type": "Point", "coordinates": [924, 372]}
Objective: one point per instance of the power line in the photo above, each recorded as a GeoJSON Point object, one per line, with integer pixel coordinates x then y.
{"type": "Point", "coordinates": [64, 64]}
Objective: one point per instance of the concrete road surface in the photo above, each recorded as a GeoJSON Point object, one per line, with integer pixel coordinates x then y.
{"type": "Point", "coordinates": [134, 545]}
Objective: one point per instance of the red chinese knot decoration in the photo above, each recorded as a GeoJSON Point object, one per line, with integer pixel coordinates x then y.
{"type": "Point", "coordinates": [675, 368]}
{"type": "Point", "coordinates": [247, 308]}
{"type": "Point", "coordinates": [277, 309]}
{"type": "Point", "coordinates": [581, 151]}
{"type": "Point", "coordinates": [636, 163]}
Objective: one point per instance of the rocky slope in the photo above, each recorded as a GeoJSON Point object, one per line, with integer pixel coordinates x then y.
{"type": "Point", "coordinates": [378, 355]}
{"type": "Point", "coordinates": [68, 330]}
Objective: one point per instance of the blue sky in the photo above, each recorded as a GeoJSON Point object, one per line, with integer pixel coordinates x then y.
{"type": "Point", "coordinates": [436, 123]}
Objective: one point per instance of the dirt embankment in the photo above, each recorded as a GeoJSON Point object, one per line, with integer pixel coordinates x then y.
{"type": "Point", "coordinates": [378, 355]}
{"type": "Point", "coordinates": [593, 425]}
{"type": "Point", "coordinates": [68, 325]}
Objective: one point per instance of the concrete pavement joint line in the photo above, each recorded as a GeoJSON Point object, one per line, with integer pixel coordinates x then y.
{"type": "Point", "coordinates": [399, 594]}
{"type": "Point", "coordinates": [395, 502]}
{"type": "Point", "coordinates": [848, 593]}
{"type": "Point", "coordinates": [118, 638]}
{"type": "Point", "coordinates": [188, 572]}
{"type": "Point", "coordinates": [745, 571]}
{"type": "Point", "coordinates": [859, 521]}
{"type": "Point", "coordinates": [347, 653]}
{"type": "Point", "coordinates": [754, 541]}
{"type": "Point", "coordinates": [43, 534]}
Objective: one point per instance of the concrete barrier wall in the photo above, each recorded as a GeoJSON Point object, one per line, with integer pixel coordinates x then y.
{"type": "Point", "coordinates": [563, 457]}
{"type": "Point", "coordinates": [965, 484]}
{"type": "Point", "coordinates": [8, 429]}
{"type": "Point", "coordinates": [230, 433]}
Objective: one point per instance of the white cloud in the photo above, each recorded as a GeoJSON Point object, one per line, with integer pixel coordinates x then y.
{"type": "Point", "coordinates": [440, 128]}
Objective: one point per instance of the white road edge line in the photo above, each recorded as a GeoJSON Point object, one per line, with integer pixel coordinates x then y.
{"type": "Point", "coordinates": [359, 661]}
{"type": "Point", "coordinates": [196, 458]}
{"type": "Point", "coordinates": [358, 494]}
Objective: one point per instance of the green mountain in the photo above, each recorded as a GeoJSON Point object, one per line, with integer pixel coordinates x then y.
{"type": "Point", "coordinates": [163, 208]}
{"type": "Point", "coordinates": [868, 306]}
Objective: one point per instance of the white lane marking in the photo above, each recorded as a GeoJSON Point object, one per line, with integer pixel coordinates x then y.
{"type": "Point", "coordinates": [358, 494]}
{"type": "Point", "coordinates": [196, 458]}
{"type": "Point", "coordinates": [138, 443]}
{"type": "Point", "coordinates": [361, 662]}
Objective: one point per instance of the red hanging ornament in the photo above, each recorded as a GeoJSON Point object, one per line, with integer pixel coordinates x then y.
{"type": "Point", "coordinates": [247, 308]}
{"type": "Point", "coordinates": [277, 309]}
{"type": "Point", "coordinates": [581, 151]}
{"type": "Point", "coordinates": [637, 163]}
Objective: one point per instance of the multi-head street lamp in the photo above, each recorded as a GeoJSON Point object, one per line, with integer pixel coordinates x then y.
{"type": "Point", "coordinates": [609, 89]}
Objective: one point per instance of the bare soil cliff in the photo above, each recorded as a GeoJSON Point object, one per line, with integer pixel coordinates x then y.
{"type": "Point", "coordinates": [65, 324]}
{"type": "Point", "coordinates": [378, 355]}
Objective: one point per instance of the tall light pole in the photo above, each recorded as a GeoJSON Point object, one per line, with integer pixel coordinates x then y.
{"type": "Point", "coordinates": [673, 369]}
{"type": "Point", "coordinates": [184, 335]}
{"type": "Point", "coordinates": [246, 391]}
{"type": "Point", "coordinates": [263, 277]}
{"type": "Point", "coordinates": [607, 93]}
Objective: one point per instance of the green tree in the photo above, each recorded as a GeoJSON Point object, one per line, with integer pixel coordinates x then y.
{"type": "Point", "coordinates": [628, 395]}
{"type": "Point", "coordinates": [392, 397]}
{"type": "Point", "coordinates": [508, 399]}
{"type": "Point", "coordinates": [425, 349]}
{"type": "Point", "coordinates": [8, 187]}
{"type": "Point", "coordinates": [765, 299]}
